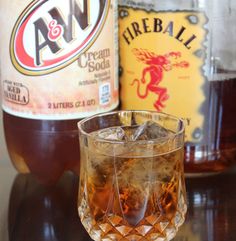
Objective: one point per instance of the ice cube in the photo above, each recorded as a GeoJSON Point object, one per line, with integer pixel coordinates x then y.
{"type": "Point", "coordinates": [113, 134]}
{"type": "Point", "coordinates": [129, 132]}
{"type": "Point", "coordinates": [104, 141]}
{"type": "Point", "coordinates": [150, 130]}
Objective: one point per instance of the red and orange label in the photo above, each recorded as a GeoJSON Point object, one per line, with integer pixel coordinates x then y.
{"type": "Point", "coordinates": [162, 55]}
{"type": "Point", "coordinates": [61, 64]}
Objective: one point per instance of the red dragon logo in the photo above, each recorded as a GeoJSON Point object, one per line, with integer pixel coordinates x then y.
{"type": "Point", "coordinates": [157, 65]}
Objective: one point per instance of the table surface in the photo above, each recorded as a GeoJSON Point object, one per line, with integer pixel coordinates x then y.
{"type": "Point", "coordinates": [31, 212]}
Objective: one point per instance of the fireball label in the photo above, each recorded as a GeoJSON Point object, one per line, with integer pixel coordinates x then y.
{"type": "Point", "coordinates": [162, 55]}
{"type": "Point", "coordinates": [57, 56]}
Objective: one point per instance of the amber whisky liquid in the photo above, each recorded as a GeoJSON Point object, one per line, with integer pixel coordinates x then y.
{"type": "Point", "coordinates": [219, 152]}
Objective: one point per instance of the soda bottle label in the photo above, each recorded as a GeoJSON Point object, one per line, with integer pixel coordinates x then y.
{"type": "Point", "coordinates": [62, 58]}
{"type": "Point", "coordinates": [162, 57]}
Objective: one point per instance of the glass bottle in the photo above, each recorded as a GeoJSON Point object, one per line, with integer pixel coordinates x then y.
{"type": "Point", "coordinates": [179, 56]}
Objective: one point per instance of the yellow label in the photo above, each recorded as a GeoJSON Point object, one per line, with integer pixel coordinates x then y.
{"type": "Point", "coordinates": [162, 55]}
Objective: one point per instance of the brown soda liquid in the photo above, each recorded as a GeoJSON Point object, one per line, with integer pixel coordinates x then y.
{"type": "Point", "coordinates": [58, 75]}
{"type": "Point", "coordinates": [219, 152]}
{"type": "Point", "coordinates": [45, 148]}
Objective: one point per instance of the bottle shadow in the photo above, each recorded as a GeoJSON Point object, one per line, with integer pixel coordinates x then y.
{"type": "Point", "coordinates": [42, 213]}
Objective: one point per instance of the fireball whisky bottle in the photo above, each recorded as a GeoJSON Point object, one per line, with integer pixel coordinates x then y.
{"type": "Point", "coordinates": [179, 57]}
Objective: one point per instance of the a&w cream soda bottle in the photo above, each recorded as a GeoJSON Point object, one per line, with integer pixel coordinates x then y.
{"type": "Point", "coordinates": [58, 65]}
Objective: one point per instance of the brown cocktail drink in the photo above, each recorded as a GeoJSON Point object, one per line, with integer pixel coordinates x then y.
{"type": "Point", "coordinates": [131, 181]}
